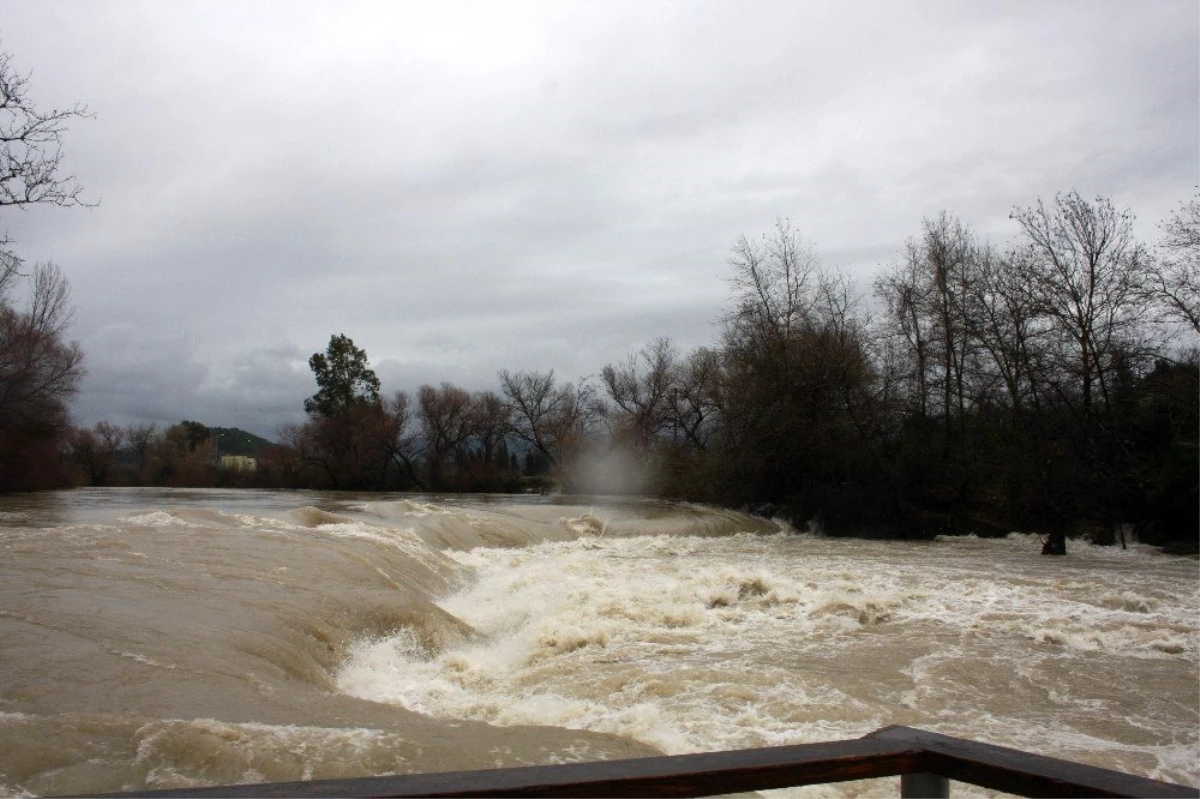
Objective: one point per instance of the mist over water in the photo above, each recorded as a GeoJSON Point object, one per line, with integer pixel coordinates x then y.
{"type": "Point", "coordinates": [158, 638]}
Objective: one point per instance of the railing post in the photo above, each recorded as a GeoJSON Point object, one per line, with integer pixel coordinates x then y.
{"type": "Point", "coordinates": [924, 786]}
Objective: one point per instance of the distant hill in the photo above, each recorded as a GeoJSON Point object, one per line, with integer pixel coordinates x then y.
{"type": "Point", "coordinates": [234, 441]}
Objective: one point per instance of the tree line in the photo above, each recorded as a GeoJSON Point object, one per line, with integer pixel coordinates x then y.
{"type": "Point", "coordinates": [187, 454]}
{"type": "Point", "coordinates": [1051, 386]}
{"type": "Point", "coordinates": [1042, 385]}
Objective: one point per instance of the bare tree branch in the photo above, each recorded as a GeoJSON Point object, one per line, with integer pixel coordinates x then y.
{"type": "Point", "coordinates": [31, 157]}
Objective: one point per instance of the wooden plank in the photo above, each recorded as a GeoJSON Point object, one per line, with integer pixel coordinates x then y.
{"type": "Point", "coordinates": [1014, 771]}
{"type": "Point", "coordinates": [705, 774]}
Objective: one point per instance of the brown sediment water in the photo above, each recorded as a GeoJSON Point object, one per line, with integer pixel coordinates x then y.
{"type": "Point", "coordinates": [155, 638]}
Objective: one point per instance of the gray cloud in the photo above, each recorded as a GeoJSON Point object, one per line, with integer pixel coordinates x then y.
{"type": "Point", "coordinates": [473, 186]}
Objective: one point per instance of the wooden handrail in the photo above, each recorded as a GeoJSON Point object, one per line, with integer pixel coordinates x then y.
{"type": "Point", "coordinates": [924, 759]}
{"type": "Point", "coordinates": [1013, 771]}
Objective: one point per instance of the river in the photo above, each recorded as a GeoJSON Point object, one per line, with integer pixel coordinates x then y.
{"type": "Point", "coordinates": [155, 638]}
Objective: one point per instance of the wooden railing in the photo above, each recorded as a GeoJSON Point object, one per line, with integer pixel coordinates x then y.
{"type": "Point", "coordinates": [924, 761]}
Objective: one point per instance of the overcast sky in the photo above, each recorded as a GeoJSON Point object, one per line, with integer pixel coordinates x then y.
{"type": "Point", "coordinates": [465, 187]}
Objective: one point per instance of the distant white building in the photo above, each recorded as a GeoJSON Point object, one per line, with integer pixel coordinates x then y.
{"type": "Point", "coordinates": [239, 463]}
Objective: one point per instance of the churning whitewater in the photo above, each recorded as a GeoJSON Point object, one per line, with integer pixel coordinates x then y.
{"type": "Point", "coordinates": [172, 638]}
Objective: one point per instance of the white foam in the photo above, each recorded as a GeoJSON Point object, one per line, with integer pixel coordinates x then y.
{"type": "Point", "coordinates": [695, 644]}
{"type": "Point", "coordinates": [179, 753]}
{"type": "Point", "coordinates": [145, 661]}
{"type": "Point", "coordinates": [159, 518]}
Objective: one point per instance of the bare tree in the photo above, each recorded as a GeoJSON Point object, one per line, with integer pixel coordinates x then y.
{"type": "Point", "coordinates": [641, 388]}
{"type": "Point", "coordinates": [1003, 321]}
{"type": "Point", "coordinates": [39, 371]}
{"type": "Point", "coordinates": [30, 156]}
{"type": "Point", "coordinates": [140, 436]}
{"type": "Point", "coordinates": [110, 435]}
{"type": "Point", "coordinates": [905, 296]}
{"type": "Point", "coordinates": [96, 449]}
{"type": "Point", "coordinates": [794, 373]}
{"type": "Point", "coordinates": [553, 419]}
{"type": "Point", "coordinates": [696, 398]}
{"type": "Point", "coordinates": [1086, 275]}
{"type": "Point", "coordinates": [491, 422]}
{"type": "Point", "coordinates": [1086, 272]}
{"type": "Point", "coordinates": [446, 424]}
{"type": "Point", "coordinates": [775, 285]}
{"type": "Point", "coordinates": [1174, 276]}
{"type": "Point", "coordinates": [83, 449]}
{"type": "Point", "coordinates": [950, 250]}
{"type": "Point", "coordinates": [398, 439]}
{"type": "Point", "coordinates": [926, 298]}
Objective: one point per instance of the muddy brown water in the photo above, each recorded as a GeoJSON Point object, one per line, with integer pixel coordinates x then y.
{"type": "Point", "coordinates": [157, 638]}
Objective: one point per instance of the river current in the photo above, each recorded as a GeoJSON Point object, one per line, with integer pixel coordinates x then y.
{"type": "Point", "coordinates": [155, 638]}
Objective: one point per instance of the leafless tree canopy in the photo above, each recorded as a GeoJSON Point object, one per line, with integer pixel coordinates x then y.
{"type": "Point", "coordinates": [491, 422]}
{"type": "Point", "coordinates": [446, 414]}
{"type": "Point", "coordinates": [39, 371]}
{"type": "Point", "coordinates": [553, 419]}
{"type": "Point", "coordinates": [644, 389]}
{"type": "Point", "coordinates": [1174, 276]}
{"type": "Point", "coordinates": [1085, 272]}
{"type": "Point", "coordinates": [30, 155]}
{"type": "Point", "coordinates": [926, 298]}
{"type": "Point", "coordinates": [775, 284]}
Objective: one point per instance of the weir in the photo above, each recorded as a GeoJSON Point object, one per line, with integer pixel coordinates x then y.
{"type": "Point", "coordinates": [924, 761]}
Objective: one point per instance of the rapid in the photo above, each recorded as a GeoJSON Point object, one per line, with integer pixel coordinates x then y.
{"type": "Point", "coordinates": [158, 638]}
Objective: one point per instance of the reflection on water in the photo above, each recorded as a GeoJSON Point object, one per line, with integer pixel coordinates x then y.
{"type": "Point", "coordinates": [41, 509]}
